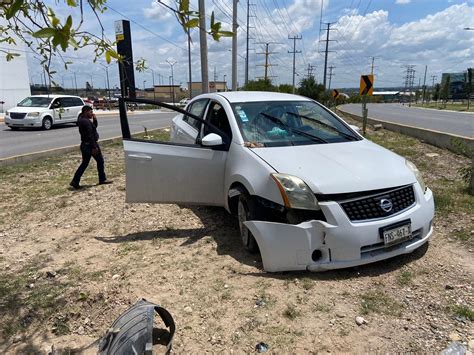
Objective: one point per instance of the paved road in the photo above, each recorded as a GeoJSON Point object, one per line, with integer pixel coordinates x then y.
{"type": "Point", "coordinates": [458, 123]}
{"type": "Point", "coordinates": [29, 141]}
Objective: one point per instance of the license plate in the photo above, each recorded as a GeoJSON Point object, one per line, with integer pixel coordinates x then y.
{"type": "Point", "coordinates": [397, 235]}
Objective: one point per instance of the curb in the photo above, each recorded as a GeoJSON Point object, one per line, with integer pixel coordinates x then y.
{"type": "Point", "coordinates": [439, 110]}
{"type": "Point", "coordinates": [454, 143]}
{"type": "Point", "coordinates": [27, 158]}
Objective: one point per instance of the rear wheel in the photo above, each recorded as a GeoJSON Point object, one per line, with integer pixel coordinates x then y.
{"type": "Point", "coordinates": [246, 211]}
{"type": "Point", "coordinates": [47, 123]}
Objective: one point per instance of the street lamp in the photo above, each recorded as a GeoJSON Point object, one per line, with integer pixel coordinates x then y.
{"type": "Point", "coordinates": [225, 82]}
{"type": "Point", "coordinates": [172, 63]}
{"type": "Point", "coordinates": [106, 68]}
{"type": "Point", "coordinates": [144, 81]}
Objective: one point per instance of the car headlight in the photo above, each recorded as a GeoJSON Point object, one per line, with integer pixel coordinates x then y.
{"type": "Point", "coordinates": [33, 114]}
{"type": "Point", "coordinates": [7, 114]}
{"type": "Point", "coordinates": [295, 192]}
{"type": "Point", "coordinates": [417, 173]}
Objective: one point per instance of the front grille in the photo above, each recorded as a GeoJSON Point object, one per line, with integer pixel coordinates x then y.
{"type": "Point", "coordinates": [17, 115]}
{"type": "Point", "coordinates": [370, 207]}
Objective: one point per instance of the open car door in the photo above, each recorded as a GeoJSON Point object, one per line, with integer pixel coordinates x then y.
{"type": "Point", "coordinates": [167, 172]}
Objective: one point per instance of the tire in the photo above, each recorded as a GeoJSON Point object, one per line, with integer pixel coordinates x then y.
{"type": "Point", "coordinates": [14, 128]}
{"type": "Point", "coordinates": [246, 211]}
{"type": "Point", "coordinates": [47, 123]}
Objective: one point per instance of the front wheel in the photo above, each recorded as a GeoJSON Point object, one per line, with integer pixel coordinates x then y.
{"type": "Point", "coordinates": [47, 123]}
{"type": "Point", "coordinates": [246, 211]}
{"type": "Point", "coordinates": [14, 128]}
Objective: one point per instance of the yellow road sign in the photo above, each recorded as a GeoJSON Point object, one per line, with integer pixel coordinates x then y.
{"type": "Point", "coordinates": [367, 85]}
{"type": "Point", "coordinates": [335, 93]}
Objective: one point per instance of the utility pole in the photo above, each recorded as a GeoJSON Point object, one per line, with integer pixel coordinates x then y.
{"type": "Point", "coordinates": [409, 79]}
{"type": "Point", "coordinates": [234, 45]}
{"type": "Point", "coordinates": [75, 82]}
{"type": "Point", "coordinates": [326, 51]}
{"type": "Point", "coordinates": [310, 70]}
{"type": "Point", "coordinates": [294, 57]}
{"type": "Point", "coordinates": [215, 75]}
{"type": "Point", "coordinates": [172, 63]}
{"type": "Point", "coordinates": [372, 66]}
{"type": "Point", "coordinates": [424, 87]}
{"type": "Point", "coordinates": [247, 50]}
{"type": "Point", "coordinates": [203, 45]}
{"type": "Point", "coordinates": [266, 65]}
{"type": "Point", "coordinates": [190, 91]}
{"type": "Point", "coordinates": [331, 75]}
{"type": "Point", "coordinates": [433, 78]}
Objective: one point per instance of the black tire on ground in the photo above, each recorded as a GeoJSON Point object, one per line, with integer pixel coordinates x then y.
{"type": "Point", "coordinates": [247, 211]}
{"type": "Point", "coordinates": [47, 123]}
{"type": "Point", "coordinates": [14, 128]}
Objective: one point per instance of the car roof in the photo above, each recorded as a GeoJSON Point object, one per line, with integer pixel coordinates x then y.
{"type": "Point", "coordinates": [252, 96]}
{"type": "Point", "coordinates": [53, 96]}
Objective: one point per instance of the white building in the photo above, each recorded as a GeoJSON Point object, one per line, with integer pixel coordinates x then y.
{"type": "Point", "coordinates": [14, 79]}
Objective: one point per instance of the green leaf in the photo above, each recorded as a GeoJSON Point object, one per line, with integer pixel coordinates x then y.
{"type": "Point", "coordinates": [192, 23]}
{"type": "Point", "coordinates": [108, 58]}
{"type": "Point", "coordinates": [184, 6]}
{"type": "Point", "coordinates": [10, 56]}
{"type": "Point", "coordinates": [226, 33]}
{"type": "Point", "coordinates": [13, 9]}
{"type": "Point", "coordinates": [45, 33]}
{"type": "Point", "coordinates": [71, 3]}
{"type": "Point", "coordinates": [68, 23]}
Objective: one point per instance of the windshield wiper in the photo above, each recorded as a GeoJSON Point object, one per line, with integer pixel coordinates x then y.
{"type": "Point", "coordinates": [291, 129]}
{"type": "Point", "coordinates": [348, 136]}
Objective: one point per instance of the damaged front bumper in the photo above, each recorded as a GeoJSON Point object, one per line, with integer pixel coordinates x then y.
{"type": "Point", "coordinates": [338, 243]}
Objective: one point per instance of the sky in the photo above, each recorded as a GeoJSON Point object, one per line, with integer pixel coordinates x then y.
{"type": "Point", "coordinates": [392, 33]}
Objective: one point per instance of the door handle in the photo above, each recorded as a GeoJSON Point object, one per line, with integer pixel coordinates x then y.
{"type": "Point", "coordinates": [139, 157]}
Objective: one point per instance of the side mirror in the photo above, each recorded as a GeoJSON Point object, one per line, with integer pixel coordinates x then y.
{"type": "Point", "coordinates": [211, 140]}
{"type": "Point", "coordinates": [355, 128]}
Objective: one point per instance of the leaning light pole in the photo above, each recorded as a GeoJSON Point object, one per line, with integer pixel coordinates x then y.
{"type": "Point", "coordinates": [172, 63]}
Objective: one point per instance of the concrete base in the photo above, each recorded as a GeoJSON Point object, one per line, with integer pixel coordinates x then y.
{"type": "Point", "coordinates": [457, 144]}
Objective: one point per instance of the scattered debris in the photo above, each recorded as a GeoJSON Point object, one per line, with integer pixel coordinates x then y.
{"type": "Point", "coordinates": [115, 277]}
{"type": "Point", "coordinates": [51, 274]}
{"type": "Point", "coordinates": [378, 127]}
{"type": "Point", "coordinates": [454, 348]}
{"type": "Point", "coordinates": [360, 320]}
{"type": "Point", "coordinates": [432, 155]}
{"type": "Point", "coordinates": [188, 309]}
{"type": "Point", "coordinates": [261, 347]}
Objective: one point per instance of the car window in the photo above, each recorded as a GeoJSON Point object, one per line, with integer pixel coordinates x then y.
{"type": "Point", "coordinates": [196, 108]}
{"type": "Point", "coordinates": [67, 102]}
{"type": "Point", "coordinates": [279, 123]}
{"type": "Point", "coordinates": [217, 116]}
{"type": "Point", "coordinates": [76, 101]}
{"type": "Point", "coordinates": [57, 103]}
{"type": "Point", "coordinates": [33, 101]}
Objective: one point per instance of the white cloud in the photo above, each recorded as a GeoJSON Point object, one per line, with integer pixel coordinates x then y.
{"type": "Point", "coordinates": [402, 2]}
{"type": "Point", "coordinates": [159, 12]}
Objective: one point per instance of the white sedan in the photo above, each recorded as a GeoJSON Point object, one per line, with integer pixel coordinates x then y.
{"type": "Point", "coordinates": [309, 192]}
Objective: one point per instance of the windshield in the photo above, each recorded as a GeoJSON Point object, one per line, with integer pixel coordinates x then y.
{"type": "Point", "coordinates": [35, 102]}
{"type": "Point", "coordinates": [280, 123]}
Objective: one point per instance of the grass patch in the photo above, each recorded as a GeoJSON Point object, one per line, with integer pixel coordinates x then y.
{"type": "Point", "coordinates": [321, 307]}
{"type": "Point", "coordinates": [452, 197]}
{"type": "Point", "coordinates": [463, 311]}
{"type": "Point", "coordinates": [405, 277]}
{"type": "Point", "coordinates": [27, 290]}
{"type": "Point", "coordinates": [461, 107]}
{"type": "Point", "coordinates": [126, 248]}
{"type": "Point", "coordinates": [380, 302]}
{"type": "Point", "coordinates": [307, 283]}
{"type": "Point", "coordinates": [291, 312]}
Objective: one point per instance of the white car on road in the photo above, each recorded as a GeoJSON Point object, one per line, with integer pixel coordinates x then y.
{"type": "Point", "coordinates": [44, 111]}
{"type": "Point", "coordinates": [309, 192]}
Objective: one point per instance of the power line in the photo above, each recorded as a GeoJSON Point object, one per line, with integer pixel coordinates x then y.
{"type": "Point", "coordinates": [146, 29]}
{"type": "Point", "coordinates": [326, 51]}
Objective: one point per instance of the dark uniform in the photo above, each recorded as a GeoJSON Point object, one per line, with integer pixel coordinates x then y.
{"type": "Point", "coordinates": [89, 148]}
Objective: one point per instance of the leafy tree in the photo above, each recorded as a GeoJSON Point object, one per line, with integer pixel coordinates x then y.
{"type": "Point", "coordinates": [36, 24]}
{"type": "Point", "coordinates": [468, 85]}
{"type": "Point", "coordinates": [310, 88]}
{"type": "Point", "coordinates": [260, 85]}
{"type": "Point", "coordinates": [436, 93]}
{"type": "Point", "coordinates": [445, 90]}
{"type": "Point", "coordinates": [286, 88]}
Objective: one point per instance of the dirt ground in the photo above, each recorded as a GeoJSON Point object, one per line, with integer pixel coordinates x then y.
{"type": "Point", "coordinates": [72, 261]}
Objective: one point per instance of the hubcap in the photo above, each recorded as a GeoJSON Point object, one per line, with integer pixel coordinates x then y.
{"type": "Point", "coordinates": [47, 124]}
